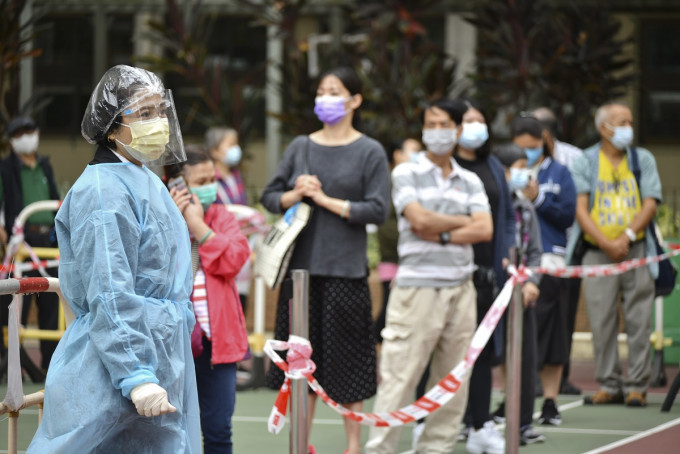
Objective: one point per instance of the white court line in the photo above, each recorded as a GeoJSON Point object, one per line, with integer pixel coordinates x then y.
{"type": "Point", "coordinates": [262, 419]}
{"type": "Point", "coordinates": [638, 436]}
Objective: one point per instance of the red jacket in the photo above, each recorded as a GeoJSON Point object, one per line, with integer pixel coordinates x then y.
{"type": "Point", "coordinates": [222, 257]}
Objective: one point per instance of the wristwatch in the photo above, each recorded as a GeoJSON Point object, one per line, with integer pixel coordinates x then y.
{"type": "Point", "coordinates": [630, 234]}
{"type": "Point", "coordinates": [444, 238]}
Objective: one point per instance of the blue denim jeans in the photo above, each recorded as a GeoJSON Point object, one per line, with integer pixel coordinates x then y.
{"type": "Point", "coordinates": [216, 397]}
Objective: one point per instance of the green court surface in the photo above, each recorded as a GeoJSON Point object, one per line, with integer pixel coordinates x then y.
{"type": "Point", "coordinates": [584, 428]}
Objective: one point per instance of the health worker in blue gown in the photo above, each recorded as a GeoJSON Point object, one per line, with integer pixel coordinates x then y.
{"type": "Point", "coordinates": [122, 378]}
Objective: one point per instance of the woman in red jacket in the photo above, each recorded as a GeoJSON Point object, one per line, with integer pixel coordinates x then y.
{"type": "Point", "coordinates": [222, 250]}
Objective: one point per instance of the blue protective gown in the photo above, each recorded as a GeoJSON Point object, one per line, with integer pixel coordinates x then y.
{"type": "Point", "coordinates": [125, 268]}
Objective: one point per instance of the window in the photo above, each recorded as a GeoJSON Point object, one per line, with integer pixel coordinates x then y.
{"type": "Point", "coordinates": [237, 49]}
{"type": "Point", "coordinates": [63, 72]}
{"type": "Point", "coordinates": [659, 81]}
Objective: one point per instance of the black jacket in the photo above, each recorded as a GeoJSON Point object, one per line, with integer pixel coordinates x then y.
{"type": "Point", "coordinates": [13, 199]}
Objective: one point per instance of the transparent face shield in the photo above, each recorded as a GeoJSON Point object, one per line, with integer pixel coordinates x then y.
{"type": "Point", "coordinates": [156, 138]}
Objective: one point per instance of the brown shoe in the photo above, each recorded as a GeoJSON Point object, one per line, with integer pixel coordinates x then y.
{"type": "Point", "coordinates": [603, 397]}
{"type": "Point", "coordinates": [636, 399]}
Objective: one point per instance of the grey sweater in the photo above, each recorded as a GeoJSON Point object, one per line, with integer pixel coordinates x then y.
{"type": "Point", "coordinates": [358, 172]}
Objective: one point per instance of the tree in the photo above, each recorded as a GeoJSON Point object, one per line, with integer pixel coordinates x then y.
{"type": "Point", "coordinates": [401, 66]}
{"type": "Point", "coordinates": [535, 53]}
{"type": "Point", "coordinates": [183, 37]}
{"type": "Point", "coordinates": [14, 39]}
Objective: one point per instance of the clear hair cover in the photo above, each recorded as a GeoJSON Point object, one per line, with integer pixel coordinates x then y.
{"type": "Point", "coordinates": [138, 95]}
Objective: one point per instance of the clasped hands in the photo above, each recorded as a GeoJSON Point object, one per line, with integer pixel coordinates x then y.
{"type": "Point", "coordinates": [309, 186]}
{"type": "Point", "coordinates": [616, 249]}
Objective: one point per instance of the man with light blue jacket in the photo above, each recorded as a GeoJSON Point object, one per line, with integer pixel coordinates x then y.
{"type": "Point", "coordinates": [618, 190]}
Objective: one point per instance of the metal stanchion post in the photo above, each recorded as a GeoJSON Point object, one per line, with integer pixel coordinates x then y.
{"type": "Point", "coordinates": [513, 364]}
{"type": "Point", "coordinates": [299, 326]}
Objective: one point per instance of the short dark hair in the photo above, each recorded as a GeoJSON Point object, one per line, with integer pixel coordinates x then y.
{"type": "Point", "coordinates": [454, 107]}
{"type": "Point", "coordinates": [196, 154]}
{"type": "Point", "coordinates": [526, 125]}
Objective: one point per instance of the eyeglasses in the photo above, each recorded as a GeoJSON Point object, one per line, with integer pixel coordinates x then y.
{"type": "Point", "coordinates": [526, 114]}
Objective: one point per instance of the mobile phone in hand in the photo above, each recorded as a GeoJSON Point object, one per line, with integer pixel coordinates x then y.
{"type": "Point", "coordinates": [179, 183]}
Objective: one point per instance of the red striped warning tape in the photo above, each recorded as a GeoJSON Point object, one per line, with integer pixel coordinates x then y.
{"type": "Point", "coordinates": [446, 389]}
{"type": "Point", "coordinates": [439, 395]}
{"type": "Point", "coordinates": [29, 266]}
{"type": "Point", "coordinates": [606, 270]}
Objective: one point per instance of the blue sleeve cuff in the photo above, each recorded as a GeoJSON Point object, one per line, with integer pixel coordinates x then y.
{"type": "Point", "coordinates": [140, 377]}
{"type": "Point", "coordinates": [540, 198]}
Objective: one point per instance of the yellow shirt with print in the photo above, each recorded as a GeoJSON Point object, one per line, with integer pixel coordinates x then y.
{"type": "Point", "coordinates": [616, 200]}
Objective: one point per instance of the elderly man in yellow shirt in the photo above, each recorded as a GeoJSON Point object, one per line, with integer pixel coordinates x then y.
{"type": "Point", "coordinates": [613, 209]}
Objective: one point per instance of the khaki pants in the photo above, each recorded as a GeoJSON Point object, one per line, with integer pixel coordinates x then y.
{"type": "Point", "coordinates": [423, 322]}
{"type": "Point", "coordinates": [602, 296]}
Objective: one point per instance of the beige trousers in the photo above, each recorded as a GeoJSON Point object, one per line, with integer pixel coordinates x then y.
{"type": "Point", "coordinates": [423, 322]}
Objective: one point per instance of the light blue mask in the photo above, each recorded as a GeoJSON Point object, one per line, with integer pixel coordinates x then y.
{"type": "Point", "coordinates": [622, 138]}
{"type": "Point", "coordinates": [519, 178]}
{"type": "Point", "coordinates": [533, 155]}
{"type": "Point", "coordinates": [233, 156]}
{"type": "Point", "coordinates": [474, 135]}
{"type": "Point", "coordinates": [207, 194]}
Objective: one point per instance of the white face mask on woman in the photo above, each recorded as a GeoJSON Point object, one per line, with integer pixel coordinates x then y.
{"type": "Point", "coordinates": [439, 141]}
{"type": "Point", "coordinates": [26, 144]}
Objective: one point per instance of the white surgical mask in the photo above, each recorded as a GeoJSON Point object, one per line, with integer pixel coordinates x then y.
{"type": "Point", "coordinates": [232, 156]}
{"type": "Point", "coordinates": [519, 178]}
{"type": "Point", "coordinates": [474, 135]}
{"type": "Point", "coordinates": [623, 136]}
{"type": "Point", "coordinates": [26, 144]}
{"type": "Point", "coordinates": [439, 141]}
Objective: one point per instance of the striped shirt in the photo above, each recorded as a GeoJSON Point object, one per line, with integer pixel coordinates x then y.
{"type": "Point", "coordinates": [200, 299]}
{"type": "Point", "coordinates": [426, 263]}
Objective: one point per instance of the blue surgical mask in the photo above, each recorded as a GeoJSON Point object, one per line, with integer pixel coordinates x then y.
{"type": "Point", "coordinates": [622, 138]}
{"type": "Point", "coordinates": [232, 156]}
{"type": "Point", "coordinates": [207, 194]}
{"type": "Point", "coordinates": [474, 135]}
{"type": "Point", "coordinates": [519, 178]}
{"type": "Point", "coordinates": [533, 155]}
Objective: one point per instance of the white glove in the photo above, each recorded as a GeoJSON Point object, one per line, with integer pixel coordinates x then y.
{"type": "Point", "coordinates": [151, 400]}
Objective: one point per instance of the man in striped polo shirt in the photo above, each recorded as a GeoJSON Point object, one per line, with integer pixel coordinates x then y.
{"type": "Point", "coordinates": [431, 313]}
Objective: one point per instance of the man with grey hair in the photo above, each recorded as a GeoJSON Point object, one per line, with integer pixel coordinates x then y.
{"type": "Point", "coordinates": [618, 190]}
{"type": "Point", "coordinates": [563, 152]}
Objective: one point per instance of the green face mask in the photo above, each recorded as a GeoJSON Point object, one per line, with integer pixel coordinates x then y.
{"type": "Point", "coordinates": [207, 194]}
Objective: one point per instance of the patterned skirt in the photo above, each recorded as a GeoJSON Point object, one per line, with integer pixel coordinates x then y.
{"type": "Point", "coordinates": [341, 334]}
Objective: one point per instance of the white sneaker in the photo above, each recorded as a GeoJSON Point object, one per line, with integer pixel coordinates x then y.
{"type": "Point", "coordinates": [417, 432]}
{"type": "Point", "coordinates": [485, 440]}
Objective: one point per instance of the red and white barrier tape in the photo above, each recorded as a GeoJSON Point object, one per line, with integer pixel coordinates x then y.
{"type": "Point", "coordinates": [439, 395]}
{"type": "Point", "coordinates": [299, 365]}
{"type": "Point", "coordinates": [29, 266]}
{"type": "Point", "coordinates": [13, 247]}
{"type": "Point", "coordinates": [606, 270]}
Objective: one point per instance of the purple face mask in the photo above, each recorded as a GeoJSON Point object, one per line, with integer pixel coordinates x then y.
{"type": "Point", "coordinates": [330, 109]}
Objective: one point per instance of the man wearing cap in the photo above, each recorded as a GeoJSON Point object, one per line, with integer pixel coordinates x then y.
{"type": "Point", "coordinates": [25, 178]}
